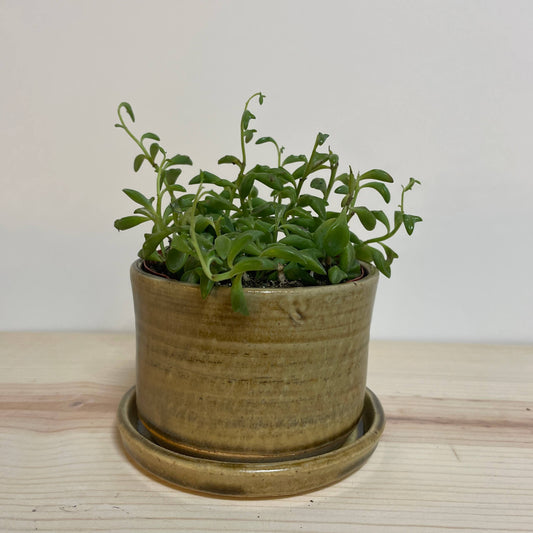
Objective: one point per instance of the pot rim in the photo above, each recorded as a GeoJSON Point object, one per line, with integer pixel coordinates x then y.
{"type": "Point", "coordinates": [371, 273]}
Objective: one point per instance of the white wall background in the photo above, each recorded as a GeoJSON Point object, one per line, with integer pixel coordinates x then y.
{"type": "Point", "coordinates": [442, 91]}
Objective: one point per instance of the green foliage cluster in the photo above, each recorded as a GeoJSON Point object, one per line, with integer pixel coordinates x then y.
{"type": "Point", "coordinates": [227, 232]}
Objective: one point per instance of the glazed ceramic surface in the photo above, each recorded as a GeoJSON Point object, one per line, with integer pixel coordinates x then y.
{"type": "Point", "coordinates": [287, 381]}
{"type": "Point", "coordinates": [251, 479]}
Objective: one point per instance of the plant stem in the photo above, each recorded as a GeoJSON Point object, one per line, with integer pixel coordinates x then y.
{"type": "Point", "coordinates": [194, 240]}
{"type": "Point", "coordinates": [395, 229]}
{"type": "Point", "coordinates": [137, 142]}
{"type": "Point", "coordinates": [331, 181]}
{"type": "Point", "coordinates": [243, 148]}
{"type": "Point", "coordinates": [279, 153]}
{"type": "Point", "coordinates": [306, 170]}
{"type": "Point", "coordinates": [355, 192]}
{"type": "Point", "coordinates": [384, 237]}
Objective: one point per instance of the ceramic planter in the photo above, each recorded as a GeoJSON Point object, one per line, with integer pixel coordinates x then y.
{"type": "Point", "coordinates": [283, 386]}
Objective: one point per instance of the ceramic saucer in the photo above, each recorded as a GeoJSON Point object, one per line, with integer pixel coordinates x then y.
{"type": "Point", "coordinates": [252, 479]}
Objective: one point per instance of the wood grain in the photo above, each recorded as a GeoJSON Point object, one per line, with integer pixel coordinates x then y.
{"type": "Point", "coordinates": [456, 455]}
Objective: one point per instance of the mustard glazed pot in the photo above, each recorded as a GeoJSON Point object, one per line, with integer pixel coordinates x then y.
{"type": "Point", "coordinates": [279, 394]}
{"type": "Point", "coordinates": [253, 300]}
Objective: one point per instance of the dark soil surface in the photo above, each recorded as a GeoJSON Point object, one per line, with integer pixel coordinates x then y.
{"type": "Point", "coordinates": [249, 281]}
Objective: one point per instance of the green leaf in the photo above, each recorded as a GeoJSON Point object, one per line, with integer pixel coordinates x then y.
{"type": "Point", "coordinates": [154, 148]}
{"type": "Point", "coordinates": [280, 210]}
{"type": "Point", "coordinates": [153, 257]}
{"type": "Point", "coordinates": [175, 260]}
{"type": "Point", "coordinates": [237, 245]}
{"type": "Point", "coordinates": [319, 235]}
{"type": "Point", "coordinates": [238, 300]}
{"type": "Point", "coordinates": [266, 228]}
{"type": "Point", "coordinates": [138, 161]}
{"type": "Point", "coordinates": [201, 223]}
{"type": "Point", "coordinates": [321, 138]}
{"type": "Point", "coordinates": [266, 178]}
{"type": "Point", "coordinates": [300, 171]}
{"type": "Point", "coordinates": [318, 159]}
{"type": "Point", "coordinates": [222, 246]}
{"type": "Point", "coordinates": [230, 159]}
{"type": "Point", "coordinates": [390, 253]}
{"type": "Point", "coordinates": [216, 203]}
{"type": "Point", "coordinates": [262, 208]}
{"type": "Point", "coordinates": [294, 272]}
{"type": "Point", "coordinates": [355, 269]}
{"type": "Point", "coordinates": [183, 202]}
{"type": "Point", "coordinates": [363, 252]}
{"type": "Point", "coordinates": [303, 218]}
{"type": "Point", "coordinates": [336, 275]}
{"type": "Point", "coordinates": [226, 224]}
{"type": "Point", "coordinates": [206, 285]}
{"type": "Point", "coordinates": [354, 238]}
{"type": "Point", "coordinates": [284, 175]}
{"type": "Point", "coordinates": [167, 214]}
{"type": "Point", "coordinates": [246, 117]}
{"type": "Point", "coordinates": [376, 174]}
{"type": "Point", "coordinates": [288, 192]}
{"type": "Point", "coordinates": [212, 258]}
{"type": "Point", "coordinates": [367, 218]}
{"type": "Point", "coordinates": [382, 217]}
{"type": "Point", "coordinates": [181, 243]}
{"type": "Point", "coordinates": [287, 253]}
{"type": "Point", "coordinates": [145, 213]}
{"type": "Point", "coordinates": [191, 276]}
{"type": "Point", "coordinates": [209, 177]}
{"type": "Point", "coordinates": [317, 204]}
{"type": "Point", "coordinates": [349, 263]}
{"type": "Point", "coordinates": [319, 184]}
{"type": "Point", "coordinates": [296, 229]}
{"type": "Point", "coordinates": [409, 222]}
{"type": "Point", "coordinates": [380, 187]}
{"type": "Point", "coordinates": [128, 109]}
{"type": "Point", "coordinates": [411, 184]}
{"type": "Point", "coordinates": [343, 178]}
{"type": "Point", "coordinates": [139, 198]}
{"type": "Point", "coordinates": [342, 189]}
{"type": "Point", "coordinates": [246, 185]}
{"type": "Point", "coordinates": [205, 241]}
{"type": "Point", "coordinates": [248, 135]}
{"type": "Point", "coordinates": [251, 264]}
{"type": "Point", "coordinates": [301, 243]}
{"type": "Point", "coordinates": [129, 222]}
{"type": "Point", "coordinates": [398, 219]}
{"type": "Point", "coordinates": [153, 241]}
{"type": "Point", "coordinates": [309, 260]}
{"type": "Point", "coordinates": [263, 140]}
{"type": "Point", "coordinates": [381, 263]}
{"type": "Point", "coordinates": [347, 257]}
{"type": "Point", "coordinates": [171, 175]}
{"type": "Point", "coordinates": [149, 135]}
{"type": "Point", "coordinates": [251, 249]}
{"type": "Point", "coordinates": [337, 236]}
{"type": "Point", "coordinates": [295, 159]}
{"type": "Point", "coordinates": [179, 159]}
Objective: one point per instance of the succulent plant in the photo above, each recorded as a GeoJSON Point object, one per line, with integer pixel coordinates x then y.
{"type": "Point", "coordinates": [269, 226]}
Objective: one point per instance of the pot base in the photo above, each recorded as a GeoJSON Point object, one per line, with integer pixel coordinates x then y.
{"type": "Point", "coordinates": [251, 479]}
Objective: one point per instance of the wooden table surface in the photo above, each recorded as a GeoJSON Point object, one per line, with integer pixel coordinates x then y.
{"type": "Point", "coordinates": [457, 452]}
